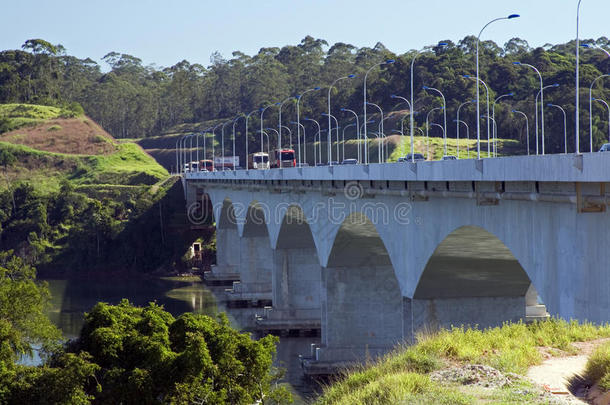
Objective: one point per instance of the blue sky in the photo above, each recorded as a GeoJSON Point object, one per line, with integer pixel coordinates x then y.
{"type": "Point", "coordinates": [166, 32]}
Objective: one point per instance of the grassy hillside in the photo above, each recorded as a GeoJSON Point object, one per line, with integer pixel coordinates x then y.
{"type": "Point", "coordinates": [49, 150]}
{"type": "Point", "coordinates": [463, 366]}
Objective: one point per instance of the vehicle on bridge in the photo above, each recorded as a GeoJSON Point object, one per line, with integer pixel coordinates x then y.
{"type": "Point", "coordinates": [605, 147]}
{"type": "Point", "coordinates": [206, 165]}
{"type": "Point", "coordinates": [282, 158]}
{"type": "Point", "coordinates": [258, 161]}
{"type": "Point", "coordinates": [449, 157]}
{"type": "Point", "coordinates": [408, 158]}
{"type": "Point", "coordinates": [191, 167]}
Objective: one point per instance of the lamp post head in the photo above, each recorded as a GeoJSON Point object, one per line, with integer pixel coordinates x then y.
{"type": "Point", "coordinates": [474, 100]}
{"type": "Point", "coordinates": [393, 96]}
{"type": "Point", "coordinates": [510, 94]}
{"type": "Point", "coordinates": [389, 61]}
{"type": "Point", "coordinates": [593, 99]}
{"type": "Point", "coordinates": [325, 114]}
{"type": "Point", "coordinates": [317, 88]}
{"type": "Point", "coordinates": [466, 76]}
{"type": "Point", "coordinates": [426, 88]}
{"type": "Point", "coordinates": [343, 109]}
{"type": "Point", "coordinates": [278, 103]}
{"type": "Point", "coordinates": [555, 85]}
{"type": "Point", "coordinates": [585, 45]}
{"type": "Point", "coordinates": [351, 76]}
{"type": "Point", "coordinates": [517, 63]}
{"type": "Point", "coordinates": [514, 111]}
{"type": "Point", "coordinates": [442, 44]}
{"type": "Point", "coordinates": [510, 17]}
{"type": "Point", "coordinates": [293, 122]}
{"type": "Point", "coordinates": [550, 105]}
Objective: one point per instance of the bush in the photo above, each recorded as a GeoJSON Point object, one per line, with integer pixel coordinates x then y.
{"type": "Point", "coordinates": [53, 128]}
{"type": "Point", "coordinates": [598, 366]}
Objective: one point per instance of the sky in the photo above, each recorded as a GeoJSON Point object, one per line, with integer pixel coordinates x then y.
{"type": "Point", "coordinates": [165, 32]}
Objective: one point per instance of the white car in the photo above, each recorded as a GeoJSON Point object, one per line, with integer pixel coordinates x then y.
{"type": "Point", "coordinates": [605, 147]}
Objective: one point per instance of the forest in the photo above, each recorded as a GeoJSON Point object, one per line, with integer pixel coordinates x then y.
{"type": "Point", "coordinates": [131, 100]}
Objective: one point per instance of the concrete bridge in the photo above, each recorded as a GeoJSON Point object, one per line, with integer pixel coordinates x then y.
{"type": "Point", "coordinates": [373, 254]}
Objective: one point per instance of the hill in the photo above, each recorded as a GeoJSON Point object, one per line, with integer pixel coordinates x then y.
{"type": "Point", "coordinates": [48, 146]}
{"type": "Point", "coordinates": [74, 199]}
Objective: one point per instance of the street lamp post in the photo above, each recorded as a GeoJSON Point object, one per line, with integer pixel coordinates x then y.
{"type": "Point", "coordinates": [578, 79]}
{"type": "Point", "coordinates": [357, 132]}
{"type": "Point", "coordinates": [314, 139]}
{"type": "Point", "coordinates": [478, 78]}
{"type": "Point", "coordinates": [428, 130]}
{"type": "Point", "coordinates": [541, 107]}
{"type": "Point", "coordinates": [608, 107]}
{"type": "Point", "coordinates": [402, 120]}
{"type": "Point", "coordinates": [235, 122]}
{"type": "Point", "coordinates": [444, 115]}
{"type": "Point", "coordinates": [213, 141]}
{"type": "Point", "coordinates": [493, 121]}
{"type": "Point", "coordinates": [247, 118]}
{"type": "Point", "coordinates": [527, 128]}
{"type": "Point", "coordinates": [366, 141]}
{"type": "Point", "coordinates": [412, 103]}
{"type": "Point", "coordinates": [329, 115]}
{"type": "Point", "coordinates": [299, 97]}
{"type": "Point", "coordinates": [262, 131]}
{"type": "Point", "coordinates": [300, 126]}
{"type": "Point", "coordinates": [493, 115]}
{"type": "Point", "coordinates": [458, 126]}
{"type": "Point", "coordinates": [279, 125]}
{"type": "Point", "coordinates": [458, 122]}
{"type": "Point", "coordinates": [565, 129]}
{"type": "Point", "coordinates": [542, 117]}
{"type": "Point", "coordinates": [268, 143]}
{"type": "Point", "coordinates": [222, 142]}
{"type": "Point", "coordinates": [343, 136]}
{"type": "Point", "coordinates": [330, 137]}
{"type": "Point", "coordinates": [379, 151]}
{"type": "Point", "coordinates": [387, 62]}
{"type": "Point", "coordinates": [478, 115]}
{"type": "Point", "coordinates": [591, 108]}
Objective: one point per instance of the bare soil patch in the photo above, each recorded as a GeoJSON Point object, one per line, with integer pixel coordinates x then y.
{"type": "Point", "coordinates": [64, 135]}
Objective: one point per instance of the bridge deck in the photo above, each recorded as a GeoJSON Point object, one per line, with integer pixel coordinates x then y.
{"type": "Point", "coordinates": [588, 167]}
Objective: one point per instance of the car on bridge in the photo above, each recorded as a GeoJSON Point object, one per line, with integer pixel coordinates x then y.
{"type": "Point", "coordinates": [605, 147]}
{"type": "Point", "coordinates": [449, 157]}
{"type": "Point", "coordinates": [350, 162]}
{"type": "Point", "coordinates": [411, 156]}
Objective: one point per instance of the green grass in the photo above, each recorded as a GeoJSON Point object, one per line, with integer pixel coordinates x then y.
{"type": "Point", "coordinates": [30, 111]}
{"type": "Point", "coordinates": [598, 367]}
{"type": "Point", "coordinates": [129, 166]}
{"type": "Point", "coordinates": [402, 374]}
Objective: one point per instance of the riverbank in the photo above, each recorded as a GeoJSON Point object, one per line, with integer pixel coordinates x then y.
{"type": "Point", "coordinates": [465, 367]}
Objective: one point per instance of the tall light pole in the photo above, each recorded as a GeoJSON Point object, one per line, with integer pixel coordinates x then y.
{"type": "Point", "coordinates": [494, 126]}
{"type": "Point", "coordinates": [591, 108]}
{"type": "Point", "coordinates": [222, 141]}
{"type": "Point", "coordinates": [493, 114]}
{"type": "Point", "coordinates": [458, 126]}
{"type": "Point", "coordinates": [387, 62]}
{"type": "Point", "coordinates": [541, 102]}
{"type": "Point", "coordinates": [357, 132]}
{"type": "Point", "coordinates": [300, 126]}
{"type": "Point", "coordinates": [478, 115]}
{"type": "Point", "coordinates": [213, 141]}
{"type": "Point", "coordinates": [458, 122]}
{"type": "Point", "coordinates": [565, 128]}
{"type": "Point", "coordinates": [343, 136]}
{"type": "Point", "coordinates": [262, 131]}
{"type": "Point", "coordinates": [510, 17]}
{"type": "Point", "coordinates": [444, 115]}
{"type": "Point", "coordinates": [319, 138]}
{"type": "Point", "coordinates": [428, 131]}
{"type": "Point", "coordinates": [412, 103]}
{"type": "Point", "coordinates": [247, 118]}
{"type": "Point", "coordinates": [235, 122]}
{"type": "Point", "coordinates": [299, 97]}
{"type": "Point", "coordinates": [329, 137]}
{"type": "Point", "coordinates": [268, 143]}
{"type": "Point", "coordinates": [578, 79]}
{"type": "Point", "coordinates": [366, 141]}
{"type": "Point", "coordinates": [542, 118]}
{"type": "Point", "coordinates": [402, 121]}
{"type": "Point", "coordinates": [279, 125]}
{"type": "Point", "coordinates": [608, 107]}
{"type": "Point", "coordinates": [527, 128]}
{"type": "Point", "coordinates": [381, 126]}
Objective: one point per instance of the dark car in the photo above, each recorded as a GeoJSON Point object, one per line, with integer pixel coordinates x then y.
{"type": "Point", "coordinates": [410, 157]}
{"type": "Point", "coordinates": [449, 157]}
{"type": "Point", "coordinates": [350, 162]}
{"type": "Point", "coordinates": [605, 147]}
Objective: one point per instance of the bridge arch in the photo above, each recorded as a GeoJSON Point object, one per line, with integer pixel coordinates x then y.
{"type": "Point", "coordinates": [362, 305]}
{"type": "Point", "coordinates": [471, 278]}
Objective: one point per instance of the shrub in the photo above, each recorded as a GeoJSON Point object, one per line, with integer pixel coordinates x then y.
{"type": "Point", "coordinates": [598, 366]}
{"type": "Point", "coordinates": [54, 128]}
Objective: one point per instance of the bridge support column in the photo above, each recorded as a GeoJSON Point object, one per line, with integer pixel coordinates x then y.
{"type": "Point", "coordinates": [435, 313]}
{"type": "Point", "coordinates": [227, 256]}
{"type": "Point", "coordinates": [362, 315]}
{"type": "Point", "coordinates": [255, 269]}
{"type": "Point", "coordinates": [296, 291]}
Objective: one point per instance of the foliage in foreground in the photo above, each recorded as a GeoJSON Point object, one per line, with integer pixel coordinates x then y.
{"type": "Point", "coordinates": [598, 367]}
{"type": "Point", "coordinates": [403, 374]}
{"type": "Point", "coordinates": [133, 355]}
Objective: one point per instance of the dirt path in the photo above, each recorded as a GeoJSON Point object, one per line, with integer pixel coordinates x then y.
{"type": "Point", "coordinates": [555, 372]}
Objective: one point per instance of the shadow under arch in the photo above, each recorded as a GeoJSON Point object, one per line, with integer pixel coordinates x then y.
{"type": "Point", "coordinates": [296, 271]}
{"type": "Point", "coordinates": [472, 278]}
{"type": "Point", "coordinates": [255, 222]}
{"type": "Point", "coordinates": [227, 218]}
{"type": "Point", "coordinates": [362, 306]}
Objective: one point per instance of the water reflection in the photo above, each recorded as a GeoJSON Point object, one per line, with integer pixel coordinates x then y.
{"type": "Point", "coordinates": [70, 299]}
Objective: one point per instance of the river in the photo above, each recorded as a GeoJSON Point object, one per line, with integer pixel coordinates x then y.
{"type": "Point", "coordinates": [72, 298]}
